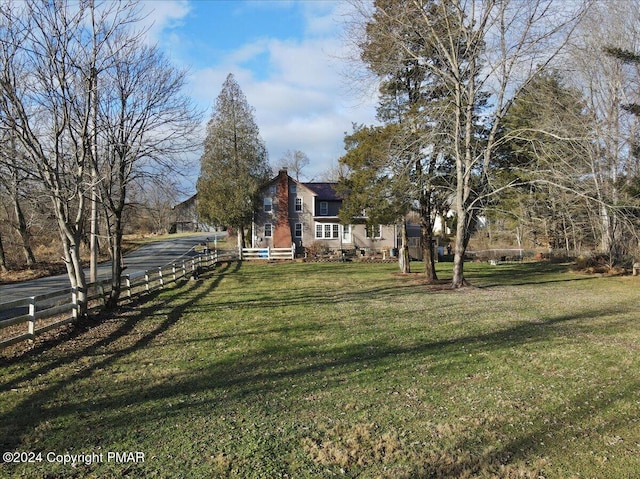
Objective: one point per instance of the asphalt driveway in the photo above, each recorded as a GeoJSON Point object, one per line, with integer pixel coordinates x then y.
{"type": "Point", "coordinates": [147, 257]}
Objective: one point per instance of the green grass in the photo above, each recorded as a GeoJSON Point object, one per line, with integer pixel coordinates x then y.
{"type": "Point", "coordinates": [348, 370]}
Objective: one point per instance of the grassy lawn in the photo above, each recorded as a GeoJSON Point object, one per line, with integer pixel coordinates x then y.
{"type": "Point", "coordinates": [347, 370]}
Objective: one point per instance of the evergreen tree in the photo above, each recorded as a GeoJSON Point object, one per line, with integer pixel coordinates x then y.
{"type": "Point", "coordinates": [544, 138]}
{"type": "Point", "coordinates": [473, 48]}
{"type": "Point", "coordinates": [374, 185]}
{"type": "Point", "coordinates": [411, 100]}
{"type": "Point", "coordinates": [234, 164]}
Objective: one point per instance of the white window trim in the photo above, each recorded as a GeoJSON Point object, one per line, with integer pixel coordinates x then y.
{"type": "Point", "coordinates": [295, 230]}
{"type": "Point", "coordinates": [270, 229]}
{"type": "Point", "coordinates": [327, 231]}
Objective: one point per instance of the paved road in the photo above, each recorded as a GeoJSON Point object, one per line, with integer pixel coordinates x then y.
{"type": "Point", "coordinates": [152, 255]}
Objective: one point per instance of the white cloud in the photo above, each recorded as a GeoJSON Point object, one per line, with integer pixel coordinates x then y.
{"type": "Point", "coordinates": [301, 99]}
{"type": "Point", "coordinates": [161, 16]}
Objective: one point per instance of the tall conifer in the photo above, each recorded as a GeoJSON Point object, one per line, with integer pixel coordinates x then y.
{"type": "Point", "coordinates": [234, 164]}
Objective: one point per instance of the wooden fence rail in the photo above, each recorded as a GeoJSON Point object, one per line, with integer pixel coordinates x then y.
{"type": "Point", "coordinates": [44, 312]}
{"type": "Point", "coordinates": [269, 253]}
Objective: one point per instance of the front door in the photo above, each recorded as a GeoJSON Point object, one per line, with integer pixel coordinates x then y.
{"type": "Point", "coordinates": [346, 233]}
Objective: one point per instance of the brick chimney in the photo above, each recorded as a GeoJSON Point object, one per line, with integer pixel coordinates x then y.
{"type": "Point", "coordinates": [282, 235]}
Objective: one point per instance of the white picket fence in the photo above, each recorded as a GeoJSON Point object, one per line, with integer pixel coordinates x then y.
{"type": "Point", "coordinates": [269, 253]}
{"type": "Point", "coordinates": [38, 314]}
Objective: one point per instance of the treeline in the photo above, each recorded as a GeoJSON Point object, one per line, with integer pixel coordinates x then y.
{"type": "Point", "coordinates": [523, 113]}
{"type": "Point", "coordinates": [88, 111]}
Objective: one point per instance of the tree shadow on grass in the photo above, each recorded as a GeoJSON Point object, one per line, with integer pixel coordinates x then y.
{"type": "Point", "coordinates": [270, 368]}
{"type": "Point", "coordinates": [118, 326]}
{"type": "Point", "coordinates": [521, 274]}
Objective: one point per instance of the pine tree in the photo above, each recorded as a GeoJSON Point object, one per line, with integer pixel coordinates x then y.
{"type": "Point", "coordinates": [234, 164]}
{"type": "Point", "coordinates": [544, 137]}
{"type": "Point", "coordinates": [411, 103]}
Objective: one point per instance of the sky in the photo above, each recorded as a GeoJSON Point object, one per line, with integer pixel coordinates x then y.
{"type": "Point", "coordinates": [290, 59]}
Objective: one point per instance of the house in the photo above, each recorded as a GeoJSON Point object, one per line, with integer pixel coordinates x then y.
{"type": "Point", "coordinates": [185, 217]}
{"type": "Point", "coordinates": [306, 214]}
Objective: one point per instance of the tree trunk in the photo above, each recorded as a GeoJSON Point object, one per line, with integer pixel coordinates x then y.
{"type": "Point", "coordinates": [23, 231]}
{"type": "Point", "coordinates": [426, 223]}
{"type": "Point", "coordinates": [93, 238]}
{"type": "Point", "coordinates": [3, 261]}
{"type": "Point", "coordinates": [116, 263]}
{"type": "Point", "coordinates": [426, 233]}
{"type": "Point", "coordinates": [77, 279]}
{"type": "Point", "coordinates": [404, 260]}
{"type": "Point", "coordinates": [458, 280]}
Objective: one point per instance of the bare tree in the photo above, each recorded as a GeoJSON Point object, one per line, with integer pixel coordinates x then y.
{"type": "Point", "coordinates": [294, 161]}
{"type": "Point", "coordinates": [483, 54]}
{"type": "Point", "coordinates": [148, 127]}
{"type": "Point", "coordinates": [44, 102]}
{"type": "Point", "coordinates": [75, 136]}
{"type": "Point", "coordinates": [609, 83]}
{"type": "Point", "coordinates": [14, 183]}
{"type": "Point", "coordinates": [154, 199]}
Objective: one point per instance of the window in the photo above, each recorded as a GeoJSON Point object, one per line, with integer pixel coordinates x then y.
{"type": "Point", "coordinates": [374, 231]}
{"type": "Point", "coordinates": [268, 205]}
{"type": "Point", "coordinates": [293, 189]}
{"type": "Point", "coordinates": [298, 204]}
{"type": "Point", "coordinates": [272, 189]}
{"type": "Point", "coordinates": [324, 208]}
{"type": "Point", "coordinates": [297, 230]}
{"type": "Point", "coordinates": [268, 230]}
{"type": "Point", "coordinates": [327, 231]}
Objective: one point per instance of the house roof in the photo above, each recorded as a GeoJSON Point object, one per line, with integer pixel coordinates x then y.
{"type": "Point", "coordinates": [186, 203]}
{"type": "Point", "coordinates": [324, 191]}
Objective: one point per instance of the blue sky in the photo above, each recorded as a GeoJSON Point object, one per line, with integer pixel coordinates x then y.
{"type": "Point", "coordinates": [289, 58]}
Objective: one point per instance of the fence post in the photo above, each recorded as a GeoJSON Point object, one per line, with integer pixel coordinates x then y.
{"type": "Point", "coordinates": [173, 270]}
{"type": "Point", "coordinates": [160, 277]}
{"type": "Point", "coordinates": [293, 251]}
{"type": "Point", "coordinates": [127, 280]}
{"type": "Point", "coordinates": [184, 269]}
{"type": "Point", "coordinates": [268, 252]}
{"type": "Point", "coordinates": [146, 280]}
{"type": "Point", "coordinates": [32, 316]}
